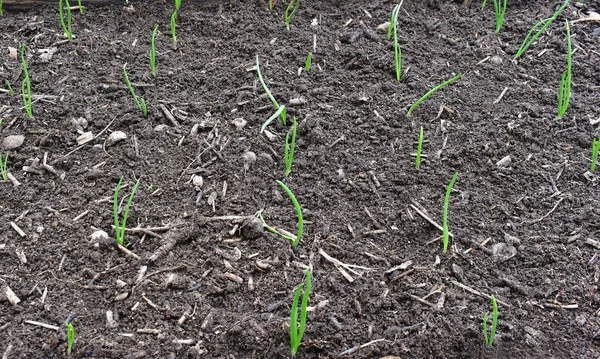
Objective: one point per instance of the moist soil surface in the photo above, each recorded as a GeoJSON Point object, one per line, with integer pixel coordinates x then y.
{"type": "Point", "coordinates": [203, 279]}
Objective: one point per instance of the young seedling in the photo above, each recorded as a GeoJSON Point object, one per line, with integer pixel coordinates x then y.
{"type": "Point", "coordinates": [489, 338]}
{"type": "Point", "coordinates": [139, 101]}
{"type": "Point", "coordinates": [66, 26]}
{"type": "Point", "coordinates": [290, 11]}
{"type": "Point", "coordinates": [308, 62]}
{"type": "Point", "coordinates": [282, 233]}
{"type": "Point", "coordinates": [9, 87]}
{"type": "Point", "coordinates": [295, 334]}
{"type": "Point", "coordinates": [564, 91]}
{"type": "Point", "coordinates": [272, 4]}
{"type": "Point", "coordinates": [1, 11]}
{"type": "Point", "coordinates": [3, 167]}
{"type": "Point", "coordinates": [445, 214]}
{"type": "Point", "coordinates": [153, 51]}
{"type": "Point", "coordinates": [499, 12]}
{"type": "Point", "coordinates": [80, 7]}
{"type": "Point", "coordinates": [281, 109]}
{"type": "Point", "coordinates": [174, 28]}
{"type": "Point", "coordinates": [26, 85]}
{"type": "Point", "coordinates": [120, 228]}
{"type": "Point", "coordinates": [70, 337]}
{"type": "Point", "coordinates": [290, 148]}
{"type": "Point", "coordinates": [419, 148]}
{"type": "Point", "coordinates": [397, 51]}
{"type": "Point", "coordinates": [537, 30]}
{"type": "Point", "coordinates": [595, 150]}
{"type": "Point", "coordinates": [431, 92]}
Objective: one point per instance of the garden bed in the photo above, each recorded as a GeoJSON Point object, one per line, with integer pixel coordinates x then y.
{"type": "Point", "coordinates": [195, 286]}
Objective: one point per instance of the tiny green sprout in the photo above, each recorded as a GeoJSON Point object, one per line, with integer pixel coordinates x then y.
{"type": "Point", "coordinates": [290, 148]}
{"type": "Point", "coordinates": [397, 51]}
{"type": "Point", "coordinates": [3, 166]}
{"type": "Point", "coordinates": [282, 233]}
{"type": "Point", "coordinates": [153, 51]}
{"type": "Point", "coordinates": [177, 4]}
{"type": "Point", "coordinates": [499, 12]}
{"type": "Point", "coordinates": [80, 7]}
{"type": "Point", "coordinates": [483, 4]}
{"type": "Point", "coordinates": [308, 62]}
{"type": "Point", "coordinates": [139, 101]}
{"type": "Point", "coordinates": [272, 4]}
{"type": "Point", "coordinates": [445, 214]}
{"type": "Point", "coordinates": [281, 112]}
{"type": "Point", "coordinates": [150, 188]}
{"type": "Point", "coordinates": [290, 11]}
{"type": "Point", "coordinates": [595, 150]}
{"type": "Point", "coordinates": [70, 337]}
{"type": "Point", "coordinates": [419, 149]}
{"type": "Point", "coordinates": [26, 85]}
{"type": "Point", "coordinates": [489, 338]}
{"type": "Point", "coordinates": [9, 87]}
{"type": "Point", "coordinates": [1, 11]}
{"type": "Point", "coordinates": [296, 334]}
{"type": "Point", "coordinates": [538, 29]}
{"type": "Point", "coordinates": [431, 92]}
{"type": "Point", "coordinates": [66, 26]}
{"type": "Point", "coordinates": [174, 27]}
{"type": "Point", "coordinates": [120, 228]}
{"type": "Point", "coordinates": [564, 92]}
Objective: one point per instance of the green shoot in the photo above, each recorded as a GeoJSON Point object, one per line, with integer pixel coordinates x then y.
{"type": "Point", "coordinates": [80, 7]}
{"type": "Point", "coordinates": [431, 92]}
{"type": "Point", "coordinates": [66, 27]}
{"type": "Point", "coordinates": [139, 101]}
{"type": "Point", "coordinates": [499, 11]}
{"type": "Point", "coordinates": [489, 339]}
{"type": "Point", "coordinates": [272, 118]}
{"type": "Point", "coordinates": [3, 167]}
{"type": "Point", "coordinates": [70, 337]}
{"type": "Point", "coordinates": [26, 85]}
{"type": "Point", "coordinates": [153, 51]}
{"type": "Point", "coordinates": [272, 4]}
{"type": "Point", "coordinates": [295, 334]}
{"type": "Point", "coordinates": [419, 148]}
{"type": "Point", "coordinates": [538, 28]}
{"type": "Point", "coordinates": [177, 4]}
{"type": "Point", "coordinates": [564, 92]}
{"type": "Point", "coordinates": [10, 89]}
{"type": "Point", "coordinates": [174, 27]}
{"type": "Point", "coordinates": [293, 6]}
{"type": "Point", "coordinates": [284, 234]}
{"type": "Point", "coordinates": [308, 62]}
{"type": "Point", "coordinates": [595, 149]}
{"type": "Point", "coordinates": [290, 148]}
{"type": "Point", "coordinates": [483, 5]}
{"type": "Point", "coordinates": [397, 50]}
{"type": "Point", "coordinates": [1, 11]}
{"type": "Point", "coordinates": [282, 113]}
{"type": "Point", "coordinates": [120, 229]}
{"type": "Point", "coordinates": [445, 214]}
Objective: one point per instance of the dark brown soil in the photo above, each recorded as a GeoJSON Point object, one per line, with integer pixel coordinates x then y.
{"type": "Point", "coordinates": [353, 174]}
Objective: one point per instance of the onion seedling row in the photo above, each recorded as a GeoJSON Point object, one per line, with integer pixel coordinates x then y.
{"type": "Point", "coordinates": [537, 30]}
{"type": "Point", "coordinates": [489, 338]}
{"type": "Point", "coordinates": [564, 92]}
{"type": "Point", "coordinates": [431, 92]}
{"type": "Point", "coordinates": [26, 85]}
{"type": "Point", "coordinates": [139, 101]}
{"type": "Point", "coordinates": [296, 333]}
{"type": "Point", "coordinates": [445, 214]}
{"type": "Point", "coordinates": [120, 228]}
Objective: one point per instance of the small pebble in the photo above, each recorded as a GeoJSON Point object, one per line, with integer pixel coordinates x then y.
{"type": "Point", "coordinates": [12, 142]}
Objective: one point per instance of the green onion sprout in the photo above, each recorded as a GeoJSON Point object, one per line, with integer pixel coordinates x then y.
{"type": "Point", "coordinates": [564, 92]}
{"type": "Point", "coordinates": [419, 148]}
{"type": "Point", "coordinates": [174, 27]}
{"type": "Point", "coordinates": [139, 101]}
{"type": "Point", "coordinates": [3, 167]}
{"type": "Point", "coordinates": [445, 214]}
{"type": "Point", "coordinates": [397, 51]}
{"type": "Point", "coordinates": [66, 27]}
{"type": "Point", "coordinates": [80, 7]}
{"type": "Point", "coordinates": [296, 333]}
{"type": "Point", "coordinates": [489, 339]}
{"type": "Point", "coordinates": [595, 149]}
{"type": "Point", "coordinates": [290, 148]}
{"type": "Point", "coordinates": [10, 89]}
{"type": "Point", "coordinates": [26, 85]}
{"type": "Point", "coordinates": [538, 28]}
{"type": "Point", "coordinates": [431, 92]}
{"type": "Point", "coordinates": [153, 51]}
{"type": "Point", "coordinates": [293, 6]}
{"type": "Point", "coordinates": [282, 113]}
{"type": "Point", "coordinates": [70, 337]}
{"type": "Point", "coordinates": [284, 234]}
{"type": "Point", "coordinates": [120, 228]}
